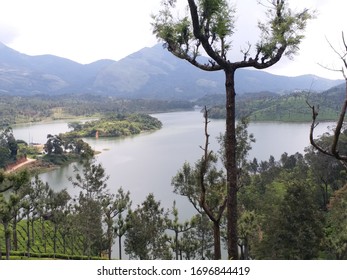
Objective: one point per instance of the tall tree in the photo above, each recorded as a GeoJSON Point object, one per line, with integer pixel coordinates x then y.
{"type": "Point", "coordinates": [19, 182]}
{"type": "Point", "coordinates": [298, 231]}
{"type": "Point", "coordinates": [209, 27]}
{"type": "Point", "coordinates": [5, 218]}
{"type": "Point", "coordinates": [92, 183]}
{"type": "Point", "coordinates": [113, 206]}
{"type": "Point", "coordinates": [54, 145]}
{"type": "Point", "coordinates": [40, 194]}
{"type": "Point", "coordinates": [146, 238]}
{"type": "Point", "coordinates": [8, 146]}
{"type": "Point", "coordinates": [178, 228]}
{"type": "Point", "coordinates": [121, 227]}
{"type": "Point", "coordinates": [57, 205]}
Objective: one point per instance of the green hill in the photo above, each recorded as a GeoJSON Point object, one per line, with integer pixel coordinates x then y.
{"type": "Point", "coordinates": [292, 107]}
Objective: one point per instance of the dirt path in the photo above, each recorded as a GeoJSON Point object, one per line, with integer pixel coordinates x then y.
{"type": "Point", "coordinates": [14, 168]}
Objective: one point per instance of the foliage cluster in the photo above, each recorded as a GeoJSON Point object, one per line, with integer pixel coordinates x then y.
{"type": "Point", "coordinates": [8, 147]}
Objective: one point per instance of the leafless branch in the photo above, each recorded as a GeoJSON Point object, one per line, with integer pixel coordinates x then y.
{"type": "Point", "coordinates": [203, 170]}
{"type": "Point", "coordinates": [333, 151]}
{"type": "Point", "coordinates": [246, 51]}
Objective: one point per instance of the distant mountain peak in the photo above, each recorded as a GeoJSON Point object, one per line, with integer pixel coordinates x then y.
{"type": "Point", "coordinates": [151, 72]}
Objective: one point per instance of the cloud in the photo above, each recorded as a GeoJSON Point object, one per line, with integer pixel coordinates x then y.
{"type": "Point", "coordinates": [7, 33]}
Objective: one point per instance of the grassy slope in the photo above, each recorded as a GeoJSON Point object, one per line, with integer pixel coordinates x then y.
{"type": "Point", "coordinates": [290, 109]}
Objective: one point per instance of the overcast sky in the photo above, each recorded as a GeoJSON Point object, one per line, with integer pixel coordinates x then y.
{"type": "Point", "coordinates": [89, 30]}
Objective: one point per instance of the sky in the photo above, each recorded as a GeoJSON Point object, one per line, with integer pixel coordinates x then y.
{"type": "Point", "coordinates": [88, 30]}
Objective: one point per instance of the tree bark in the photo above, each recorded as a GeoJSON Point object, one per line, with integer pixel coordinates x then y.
{"type": "Point", "coordinates": [14, 233]}
{"type": "Point", "coordinates": [28, 236]}
{"type": "Point", "coordinates": [55, 233]}
{"type": "Point", "coordinates": [7, 239]}
{"type": "Point", "coordinates": [120, 246]}
{"type": "Point", "coordinates": [231, 166]}
{"type": "Point", "coordinates": [176, 245]}
{"type": "Point", "coordinates": [110, 241]}
{"type": "Point", "coordinates": [217, 245]}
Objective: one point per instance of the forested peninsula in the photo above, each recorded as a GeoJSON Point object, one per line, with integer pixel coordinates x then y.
{"type": "Point", "coordinates": [114, 126]}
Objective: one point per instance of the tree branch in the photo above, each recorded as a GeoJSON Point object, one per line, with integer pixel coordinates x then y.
{"type": "Point", "coordinates": [334, 152]}
{"type": "Point", "coordinates": [202, 38]}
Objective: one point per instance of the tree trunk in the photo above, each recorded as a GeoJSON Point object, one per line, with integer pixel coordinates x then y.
{"type": "Point", "coordinates": [120, 246]}
{"type": "Point", "coordinates": [216, 236]}
{"type": "Point", "coordinates": [231, 167]}
{"type": "Point", "coordinates": [110, 242]}
{"type": "Point", "coordinates": [63, 236]}
{"type": "Point", "coordinates": [176, 245]}
{"type": "Point", "coordinates": [43, 235]}
{"type": "Point", "coordinates": [7, 240]}
{"type": "Point", "coordinates": [32, 230]}
{"type": "Point", "coordinates": [14, 233]}
{"type": "Point", "coordinates": [55, 233]}
{"type": "Point", "coordinates": [28, 235]}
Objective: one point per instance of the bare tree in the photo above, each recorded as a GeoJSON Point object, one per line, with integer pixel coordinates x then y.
{"type": "Point", "coordinates": [204, 186]}
{"type": "Point", "coordinates": [333, 148]}
{"type": "Point", "coordinates": [214, 212]}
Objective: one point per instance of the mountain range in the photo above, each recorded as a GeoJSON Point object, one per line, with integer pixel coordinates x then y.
{"type": "Point", "coordinates": [149, 73]}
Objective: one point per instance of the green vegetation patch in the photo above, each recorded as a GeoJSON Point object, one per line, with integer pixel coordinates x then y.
{"type": "Point", "coordinates": [294, 107]}
{"type": "Point", "coordinates": [115, 126]}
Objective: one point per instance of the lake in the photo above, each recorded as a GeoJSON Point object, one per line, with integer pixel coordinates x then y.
{"type": "Point", "coordinates": [146, 163]}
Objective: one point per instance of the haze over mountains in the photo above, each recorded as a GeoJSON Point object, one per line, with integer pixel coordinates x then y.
{"type": "Point", "coordinates": [148, 73]}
